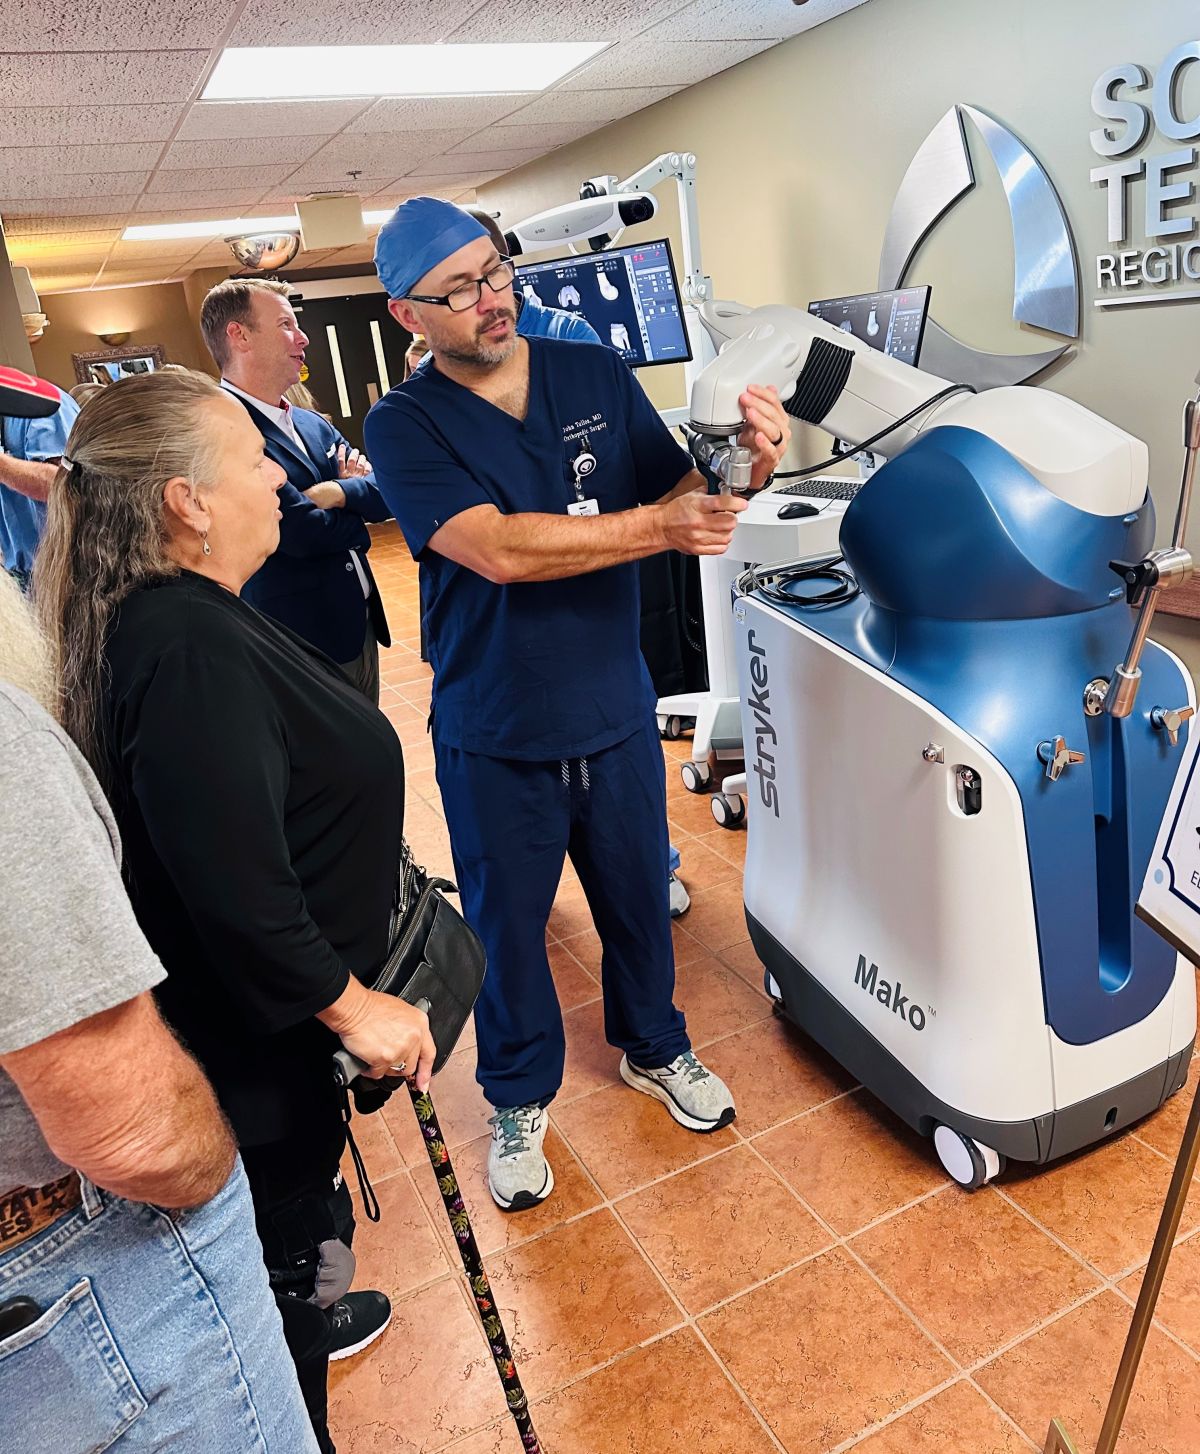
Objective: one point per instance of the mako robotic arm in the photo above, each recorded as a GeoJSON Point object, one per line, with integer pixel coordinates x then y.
{"type": "Point", "coordinates": [832, 379]}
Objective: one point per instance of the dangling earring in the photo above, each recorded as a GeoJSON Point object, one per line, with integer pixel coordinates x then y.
{"type": "Point", "coordinates": [204, 538]}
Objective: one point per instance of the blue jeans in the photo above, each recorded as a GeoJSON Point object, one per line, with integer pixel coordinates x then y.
{"type": "Point", "coordinates": [157, 1334]}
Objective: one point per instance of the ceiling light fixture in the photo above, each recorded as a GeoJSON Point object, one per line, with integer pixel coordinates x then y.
{"type": "Point", "coordinates": [310, 72]}
{"type": "Point", "coordinates": [228, 226]}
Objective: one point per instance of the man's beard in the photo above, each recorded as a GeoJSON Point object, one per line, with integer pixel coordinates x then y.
{"type": "Point", "coordinates": [485, 354]}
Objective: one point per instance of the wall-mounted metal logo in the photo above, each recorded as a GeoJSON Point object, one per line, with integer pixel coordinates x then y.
{"type": "Point", "coordinates": [1046, 280]}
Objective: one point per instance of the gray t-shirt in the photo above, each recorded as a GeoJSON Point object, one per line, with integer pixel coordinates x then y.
{"type": "Point", "coordinates": [69, 944]}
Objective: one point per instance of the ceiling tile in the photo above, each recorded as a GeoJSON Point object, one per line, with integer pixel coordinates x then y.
{"type": "Point", "coordinates": [16, 186]}
{"type": "Point", "coordinates": [120, 79]}
{"type": "Point", "coordinates": [34, 161]}
{"type": "Point", "coordinates": [589, 108]}
{"type": "Point", "coordinates": [381, 153]}
{"type": "Point", "coordinates": [44, 224]}
{"type": "Point", "coordinates": [66, 234]}
{"type": "Point", "coordinates": [436, 185]}
{"type": "Point", "coordinates": [49, 284]}
{"type": "Point", "coordinates": [113, 25]}
{"type": "Point", "coordinates": [349, 22]}
{"type": "Point", "coordinates": [646, 62]}
{"type": "Point", "coordinates": [564, 19]}
{"type": "Point", "coordinates": [210, 179]}
{"type": "Point", "coordinates": [429, 113]}
{"type": "Point", "coordinates": [130, 253]}
{"type": "Point", "coordinates": [123, 277]}
{"type": "Point", "coordinates": [242, 152]}
{"type": "Point", "coordinates": [169, 206]}
{"type": "Point", "coordinates": [306, 184]}
{"type": "Point", "coordinates": [64, 206]}
{"type": "Point", "coordinates": [452, 164]}
{"type": "Point", "coordinates": [63, 125]}
{"type": "Point", "coordinates": [231, 119]}
{"type": "Point", "coordinates": [516, 138]}
{"type": "Point", "coordinates": [749, 19]}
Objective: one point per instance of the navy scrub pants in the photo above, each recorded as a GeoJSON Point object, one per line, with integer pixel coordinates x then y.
{"type": "Point", "coordinates": [512, 824]}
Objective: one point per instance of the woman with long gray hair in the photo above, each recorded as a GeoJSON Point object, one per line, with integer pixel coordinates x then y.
{"type": "Point", "coordinates": [261, 800]}
{"type": "Point", "coordinates": [119, 1321]}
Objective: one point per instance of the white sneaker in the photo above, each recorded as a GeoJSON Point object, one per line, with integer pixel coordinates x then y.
{"type": "Point", "coordinates": [519, 1176]}
{"type": "Point", "coordinates": [695, 1097]}
{"type": "Point", "coordinates": [680, 899]}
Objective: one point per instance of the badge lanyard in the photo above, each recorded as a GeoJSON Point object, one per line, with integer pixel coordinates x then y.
{"type": "Point", "coordinates": [582, 466]}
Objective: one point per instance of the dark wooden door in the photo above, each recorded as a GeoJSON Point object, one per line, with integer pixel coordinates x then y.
{"type": "Point", "coordinates": [340, 331]}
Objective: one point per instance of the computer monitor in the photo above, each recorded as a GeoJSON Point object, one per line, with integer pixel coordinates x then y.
{"type": "Point", "coordinates": [894, 323]}
{"type": "Point", "coordinates": [629, 295]}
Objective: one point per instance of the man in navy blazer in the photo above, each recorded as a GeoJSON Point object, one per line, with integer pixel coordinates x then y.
{"type": "Point", "coordinates": [319, 581]}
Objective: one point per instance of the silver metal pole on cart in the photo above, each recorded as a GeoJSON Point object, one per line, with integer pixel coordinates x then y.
{"type": "Point", "coordinates": [1161, 570]}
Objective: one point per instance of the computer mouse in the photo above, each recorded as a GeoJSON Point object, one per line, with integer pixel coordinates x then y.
{"type": "Point", "coordinates": [796, 509]}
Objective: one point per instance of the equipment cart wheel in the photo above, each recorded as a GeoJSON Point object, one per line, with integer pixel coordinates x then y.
{"type": "Point", "coordinates": [728, 809]}
{"type": "Point", "coordinates": [969, 1162]}
{"type": "Point", "coordinates": [697, 776]}
{"type": "Point", "coordinates": [774, 993]}
{"type": "Point", "coordinates": [670, 729]}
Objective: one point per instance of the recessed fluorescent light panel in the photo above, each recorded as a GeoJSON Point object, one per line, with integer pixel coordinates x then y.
{"type": "Point", "coordinates": [228, 226]}
{"type": "Point", "coordinates": [304, 72]}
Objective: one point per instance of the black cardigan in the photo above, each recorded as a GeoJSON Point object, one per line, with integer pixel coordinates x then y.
{"type": "Point", "coordinates": [260, 798]}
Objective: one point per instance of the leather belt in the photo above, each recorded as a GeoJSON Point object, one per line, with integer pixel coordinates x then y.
{"type": "Point", "coordinates": [27, 1210]}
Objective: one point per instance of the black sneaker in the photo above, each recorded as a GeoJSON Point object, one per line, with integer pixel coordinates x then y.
{"type": "Point", "coordinates": [358, 1319]}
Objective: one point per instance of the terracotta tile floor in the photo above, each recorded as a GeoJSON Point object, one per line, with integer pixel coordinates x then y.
{"type": "Point", "coordinates": [806, 1281]}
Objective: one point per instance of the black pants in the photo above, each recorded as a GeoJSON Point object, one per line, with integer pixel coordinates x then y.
{"type": "Point", "coordinates": [300, 1201]}
{"type": "Point", "coordinates": [363, 671]}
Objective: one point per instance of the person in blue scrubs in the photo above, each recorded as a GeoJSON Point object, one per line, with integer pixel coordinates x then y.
{"type": "Point", "coordinates": [31, 449]}
{"type": "Point", "coordinates": [535, 320]}
{"type": "Point", "coordinates": [529, 475]}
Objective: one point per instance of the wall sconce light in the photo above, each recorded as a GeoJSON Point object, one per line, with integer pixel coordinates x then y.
{"type": "Point", "coordinates": [114, 340]}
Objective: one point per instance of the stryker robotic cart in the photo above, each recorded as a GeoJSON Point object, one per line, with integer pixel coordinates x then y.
{"type": "Point", "coordinates": [952, 795]}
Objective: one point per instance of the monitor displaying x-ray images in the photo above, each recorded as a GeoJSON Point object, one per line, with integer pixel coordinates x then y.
{"type": "Point", "coordinates": [629, 295]}
{"type": "Point", "coordinates": [894, 323]}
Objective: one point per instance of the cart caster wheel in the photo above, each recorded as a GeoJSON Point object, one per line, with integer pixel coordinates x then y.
{"type": "Point", "coordinates": [970, 1163]}
{"type": "Point", "coordinates": [773, 992]}
{"type": "Point", "coordinates": [697, 776]}
{"type": "Point", "coordinates": [670, 729]}
{"type": "Point", "coordinates": [729, 809]}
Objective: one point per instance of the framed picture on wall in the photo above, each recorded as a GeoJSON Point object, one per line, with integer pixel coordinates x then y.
{"type": "Point", "coordinates": [106, 365]}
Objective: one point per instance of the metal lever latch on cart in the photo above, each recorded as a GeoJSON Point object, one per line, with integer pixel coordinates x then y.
{"type": "Point", "coordinates": [1170, 720]}
{"type": "Point", "coordinates": [1159, 571]}
{"type": "Point", "coordinates": [1056, 757]}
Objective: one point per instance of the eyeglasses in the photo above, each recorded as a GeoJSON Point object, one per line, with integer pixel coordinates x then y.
{"type": "Point", "coordinates": [467, 295]}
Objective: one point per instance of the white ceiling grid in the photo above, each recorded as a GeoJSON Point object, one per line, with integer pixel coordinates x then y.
{"type": "Point", "coordinates": [101, 126]}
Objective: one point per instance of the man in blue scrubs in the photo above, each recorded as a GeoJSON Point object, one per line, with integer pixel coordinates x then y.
{"type": "Point", "coordinates": [529, 475]}
{"type": "Point", "coordinates": [29, 453]}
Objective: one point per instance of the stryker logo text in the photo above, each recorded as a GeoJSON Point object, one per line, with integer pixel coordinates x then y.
{"type": "Point", "coordinates": [765, 737]}
{"type": "Point", "coordinates": [888, 994]}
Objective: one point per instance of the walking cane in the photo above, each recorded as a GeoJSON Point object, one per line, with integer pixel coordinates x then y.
{"type": "Point", "coordinates": [468, 1251]}
{"type": "Point", "coordinates": [472, 1261]}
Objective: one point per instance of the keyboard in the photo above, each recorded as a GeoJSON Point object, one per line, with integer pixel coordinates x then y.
{"type": "Point", "coordinates": [818, 489]}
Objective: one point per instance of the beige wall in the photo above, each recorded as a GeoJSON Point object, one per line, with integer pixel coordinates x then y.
{"type": "Point", "coordinates": [159, 313]}
{"type": "Point", "coordinates": [800, 151]}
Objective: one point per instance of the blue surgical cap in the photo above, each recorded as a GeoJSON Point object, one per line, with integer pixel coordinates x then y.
{"type": "Point", "coordinates": [420, 234]}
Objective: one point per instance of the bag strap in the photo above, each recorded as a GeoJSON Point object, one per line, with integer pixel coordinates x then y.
{"type": "Point", "coordinates": [369, 1200]}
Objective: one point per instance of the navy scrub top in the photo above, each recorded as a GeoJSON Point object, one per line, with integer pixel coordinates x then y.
{"type": "Point", "coordinates": [542, 670]}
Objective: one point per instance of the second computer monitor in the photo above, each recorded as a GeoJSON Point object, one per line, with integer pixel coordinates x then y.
{"type": "Point", "coordinates": [628, 294]}
{"type": "Point", "coordinates": [894, 323]}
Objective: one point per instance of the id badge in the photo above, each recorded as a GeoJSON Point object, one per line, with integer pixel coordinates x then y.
{"type": "Point", "coordinates": [583, 507]}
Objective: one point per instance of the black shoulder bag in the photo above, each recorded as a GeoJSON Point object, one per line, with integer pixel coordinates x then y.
{"type": "Point", "coordinates": [435, 961]}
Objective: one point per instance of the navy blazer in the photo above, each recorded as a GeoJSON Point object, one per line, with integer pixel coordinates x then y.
{"type": "Point", "coordinates": [310, 583]}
